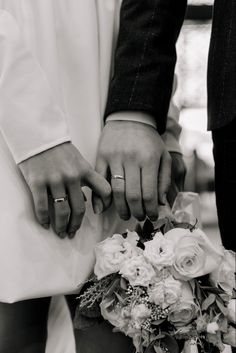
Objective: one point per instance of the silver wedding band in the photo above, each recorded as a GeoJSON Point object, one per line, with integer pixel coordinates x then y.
{"type": "Point", "coordinates": [60, 199]}
{"type": "Point", "coordinates": [117, 177]}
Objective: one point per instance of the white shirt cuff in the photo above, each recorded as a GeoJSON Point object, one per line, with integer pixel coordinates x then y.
{"type": "Point", "coordinates": [139, 117]}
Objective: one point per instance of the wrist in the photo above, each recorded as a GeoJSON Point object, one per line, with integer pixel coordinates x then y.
{"type": "Point", "coordinates": [133, 116]}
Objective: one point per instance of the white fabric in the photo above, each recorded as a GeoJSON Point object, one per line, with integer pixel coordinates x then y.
{"type": "Point", "coordinates": [55, 60]}
{"type": "Point", "coordinates": [139, 117]}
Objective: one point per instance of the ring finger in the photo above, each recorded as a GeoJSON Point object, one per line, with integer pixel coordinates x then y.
{"type": "Point", "coordinates": [118, 189]}
{"type": "Point", "coordinates": [77, 205]}
{"type": "Point", "coordinates": [60, 209]}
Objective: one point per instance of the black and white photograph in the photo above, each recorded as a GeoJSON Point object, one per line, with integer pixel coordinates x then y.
{"type": "Point", "coordinates": [117, 176]}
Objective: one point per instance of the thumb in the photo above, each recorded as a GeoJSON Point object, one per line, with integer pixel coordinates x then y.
{"type": "Point", "coordinates": [101, 189]}
{"type": "Point", "coordinates": [164, 178]}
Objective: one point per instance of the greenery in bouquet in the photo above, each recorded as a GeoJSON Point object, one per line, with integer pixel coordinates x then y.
{"type": "Point", "coordinates": [161, 287]}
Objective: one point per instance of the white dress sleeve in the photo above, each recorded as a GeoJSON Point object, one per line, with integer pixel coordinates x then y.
{"type": "Point", "coordinates": [30, 119]}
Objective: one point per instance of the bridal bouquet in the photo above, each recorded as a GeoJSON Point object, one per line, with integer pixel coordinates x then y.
{"type": "Point", "coordinates": [163, 287]}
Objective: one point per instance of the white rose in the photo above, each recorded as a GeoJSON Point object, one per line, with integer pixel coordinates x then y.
{"type": "Point", "coordinates": [182, 313]}
{"type": "Point", "coordinates": [109, 256]}
{"type": "Point", "coordinates": [111, 252]}
{"type": "Point", "coordinates": [172, 290]}
{"type": "Point", "coordinates": [137, 271]}
{"type": "Point", "coordinates": [232, 311]}
{"type": "Point", "coordinates": [166, 292]}
{"type": "Point", "coordinates": [224, 275]}
{"type": "Point", "coordinates": [212, 327]}
{"type": "Point", "coordinates": [159, 251]}
{"type": "Point", "coordinates": [195, 255]}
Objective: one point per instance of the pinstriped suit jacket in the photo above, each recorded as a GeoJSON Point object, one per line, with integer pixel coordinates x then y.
{"type": "Point", "coordinates": [222, 65]}
{"type": "Point", "coordinates": [145, 59]}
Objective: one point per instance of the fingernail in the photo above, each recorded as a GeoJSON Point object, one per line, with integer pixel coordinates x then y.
{"type": "Point", "coordinates": [98, 207]}
{"type": "Point", "coordinates": [71, 235]}
{"type": "Point", "coordinates": [45, 226]}
{"type": "Point", "coordinates": [62, 235]}
{"type": "Point", "coordinates": [164, 200]}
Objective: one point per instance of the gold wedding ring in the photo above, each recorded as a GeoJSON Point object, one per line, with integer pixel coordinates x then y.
{"type": "Point", "coordinates": [60, 199]}
{"type": "Point", "coordinates": [117, 176]}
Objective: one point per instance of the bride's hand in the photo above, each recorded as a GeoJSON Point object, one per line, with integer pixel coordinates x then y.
{"type": "Point", "coordinates": [62, 171]}
{"type": "Point", "coordinates": [136, 152]}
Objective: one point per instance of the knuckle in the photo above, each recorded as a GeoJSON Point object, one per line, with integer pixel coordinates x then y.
{"type": "Point", "coordinates": [118, 190]}
{"type": "Point", "coordinates": [133, 197]}
{"type": "Point", "coordinates": [35, 183]}
{"type": "Point", "coordinates": [63, 213]}
{"type": "Point", "coordinates": [148, 197]}
{"type": "Point", "coordinates": [56, 179]}
{"type": "Point", "coordinates": [72, 176]}
{"type": "Point", "coordinates": [131, 154]}
{"type": "Point", "coordinates": [86, 170]}
{"type": "Point", "coordinates": [42, 212]}
{"type": "Point", "coordinates": [77, 213]}
{"type": "Point", "coordinates": [149, 156]}
{"type": "Point", "coordinates": [107, 191]}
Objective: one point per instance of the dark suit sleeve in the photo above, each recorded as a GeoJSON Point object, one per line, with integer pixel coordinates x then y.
{"type": "Point", "coordinates": [145, 57]}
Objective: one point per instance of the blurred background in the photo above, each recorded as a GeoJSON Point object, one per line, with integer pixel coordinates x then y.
{"type": "Point", "coordinates": [191, 99]}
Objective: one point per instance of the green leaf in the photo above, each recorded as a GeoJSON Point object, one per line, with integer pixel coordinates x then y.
{"type": "Point", "coordinates": [119, 297]}
{"type": "Point", "coordinates": [158, 349]}
{"type": "Point", "coordinates": [212, 290]}
{"type": "Point", "coordinates": [208, 301]}
{"type": "Point", "coordinates": [150, 348]}
{"type": "Point", "coordinates": [82, 322]}
{"type": "Point", "coordinates": [123, 283]}
{"type": "Point", "coordinates": [225, 297]}
{"type": "Point", "coordinates": [114, 285]}
{"type": "Point", "coordinates": [183, 225]}
{"type": "Point", "coordinates": [168, 226]}
{"type": "Point", "coordinates": [198, 291]}
{"type": "Point", "coordinates": [158, 322]}
{"type": "Point", "coordinates": [222, 308]}
{"type": "Point", "coordinates": [148, 229]}
{"type": "Point", "coordinates": [223, 324]}
{"type": "Point", "coordinates": [91, 312]}
{"type": "Point", "coordinates": [170, 343]}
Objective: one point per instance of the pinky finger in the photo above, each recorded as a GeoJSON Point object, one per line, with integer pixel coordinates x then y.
{"type": "Point", "coordinates": [164, 181]}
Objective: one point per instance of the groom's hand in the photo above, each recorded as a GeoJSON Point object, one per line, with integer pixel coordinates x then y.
{"type": "Point", "coordinates": [58, 173]}
{"type": "Point", "coordinates": [177, 176]}
{"type": "Point", "coordinates": [136, 152]}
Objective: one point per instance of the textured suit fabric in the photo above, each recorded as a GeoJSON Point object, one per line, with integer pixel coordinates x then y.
{"type": "Point", "coordinates": [222, 65]}
{"type": "Point", "coordinates": [145, 57]}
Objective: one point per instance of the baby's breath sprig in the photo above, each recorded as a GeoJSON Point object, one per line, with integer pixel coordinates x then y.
{"type": "Point", "coordinates": [94, 293]}
{"type": "Point", "coordinates": [136, 295]}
